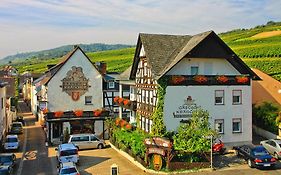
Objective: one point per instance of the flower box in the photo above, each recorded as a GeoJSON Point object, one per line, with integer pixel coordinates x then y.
{"type": "Point", "coordinates": [222, 79]}
{"type": "Point", "coordinates": [200, 79]}
{"type": "Point", "coordinates": [242, 79]}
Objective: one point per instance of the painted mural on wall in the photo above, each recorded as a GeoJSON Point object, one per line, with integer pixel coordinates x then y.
{"type": "Point", "coordinates": [185, 110]}
{"type": "Point", "coordinates": [75, 84]}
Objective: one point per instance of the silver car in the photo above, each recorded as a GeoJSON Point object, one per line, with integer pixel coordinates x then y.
{"type": "Point", "coordinates": [273, 146]}
{"type": "Point", "coordinates": [86, 141]}
{"type": "Point", "coordinates": [11, 142]}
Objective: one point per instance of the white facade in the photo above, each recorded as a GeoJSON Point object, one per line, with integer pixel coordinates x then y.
{"type": "Point", "coordinates": [61, 101]}
{"type": "Point", "coordinates": [204, 96]}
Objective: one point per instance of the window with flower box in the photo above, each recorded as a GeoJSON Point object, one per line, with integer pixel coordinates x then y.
{"type": "Point", "coordinates": [219, 97]}
{"type": "Point", "coordinates": [237, 97]}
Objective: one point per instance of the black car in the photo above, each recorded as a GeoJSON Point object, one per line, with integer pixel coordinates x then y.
{"type": "Point", "coordinates": [7, 162]}
{"type": "Point", "coordinates": [256, 156]}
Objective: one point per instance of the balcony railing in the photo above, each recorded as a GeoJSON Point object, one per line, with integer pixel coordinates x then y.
{"type": "Point", "coordinates": [207, 80]}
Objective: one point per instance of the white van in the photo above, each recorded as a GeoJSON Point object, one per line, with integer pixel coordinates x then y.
{"type": "Point", "coordinates": [67, 152]}
{"type": "Point", "coordinates": [86, 141]}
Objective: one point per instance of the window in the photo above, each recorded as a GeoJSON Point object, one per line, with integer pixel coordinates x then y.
{"type": "Point", "coordinates": [111, 85]}
{"type": "Point", "coordinates": [93, 138]}
{"type": "Point", "coordinates": [236, 125]}
{"type": "Point", "coordinates": [236, 97]}
{"type": "Point", "coordinates": [194, 70]}
{"type": "Point", "coordinates": [219, 97]}
{"type": "Point", "coordinates": [219, 126]}
{"type": "Point", "coordinates": [88, 100]}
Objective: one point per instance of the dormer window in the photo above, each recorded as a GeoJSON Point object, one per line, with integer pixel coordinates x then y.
{"type": "Point", "coordinates": [111, 85]}
{"type": "Point", "coordinates": [194, 70]}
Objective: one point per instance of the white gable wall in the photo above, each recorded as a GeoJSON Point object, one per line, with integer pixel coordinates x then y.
{"type": "Point", "coordinates": [207, 66]}
{"type": "Point", "coordinates": [61, 101]}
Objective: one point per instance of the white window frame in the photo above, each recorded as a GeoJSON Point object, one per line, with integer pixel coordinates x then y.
{"type": "Point", "coordinates": [237, 93]}
{"type": "Point", "coordinates": [217, 95]}
{"type": "Point", "coordinates": [217, 122]}
{"type": "Point", "coordinates": [111, 85]}
{"type": "Point", "coordinates": [239, 121]}
{"type": "Point", "coordinates": [86, 101]}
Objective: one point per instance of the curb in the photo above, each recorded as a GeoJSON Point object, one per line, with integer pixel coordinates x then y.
{"type": "Point", "coordinates": [136, 163]}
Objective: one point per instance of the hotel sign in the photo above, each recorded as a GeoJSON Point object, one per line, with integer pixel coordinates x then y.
{"type": "Point", "coordinates": [75, 84]}
{"type": "Point", "coordinates": [185, 110]}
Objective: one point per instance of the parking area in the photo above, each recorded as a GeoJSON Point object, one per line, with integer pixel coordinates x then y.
{"type": "Point", "coordinates": [99, 162]}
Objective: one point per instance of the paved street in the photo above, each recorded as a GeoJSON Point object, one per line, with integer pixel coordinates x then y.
{"type": "Point", "coordinates": [40, 160]}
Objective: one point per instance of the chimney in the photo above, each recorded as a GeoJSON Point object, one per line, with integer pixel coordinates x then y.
{"type": "Point", "coordinates": [101, 67]}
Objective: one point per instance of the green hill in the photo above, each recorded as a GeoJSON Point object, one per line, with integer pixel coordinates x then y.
{"type": "Point", "coordinates": [259, 47]}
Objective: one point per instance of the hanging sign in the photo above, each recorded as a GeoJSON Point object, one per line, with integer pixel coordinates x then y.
{"type": "Point", "coordinates": [75, 84]}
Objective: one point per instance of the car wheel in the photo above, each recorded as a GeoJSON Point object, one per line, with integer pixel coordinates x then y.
{"type": "Point", "coordinates": [100, 146]}
{"type": "Point", "coordinates": [250, 164]}
{"type": "Point", "coordinates": [276, 155]}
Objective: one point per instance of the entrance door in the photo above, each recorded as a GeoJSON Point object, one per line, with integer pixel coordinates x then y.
{"type": "Point", "coordinates": [57, 130]}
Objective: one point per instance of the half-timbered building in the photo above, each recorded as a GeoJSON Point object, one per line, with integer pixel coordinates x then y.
{"type": "Point", "coordinates": [199, 70]}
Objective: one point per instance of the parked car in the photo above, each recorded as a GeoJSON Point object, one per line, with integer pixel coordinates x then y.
{"type": "Point", "coordinates": [86, 141]}
{"type": "Point", "coordinates": [67, 152]}
{"type": "Point", "coordinates": [68, 168]}
{"type": "Point", "coordinates": [16, 128]}
{"type": "Point", "coordinates": [255, 156]}
{"type": "Point", "coordinates": [273, 146]}
{"type": "Point", "coordinates": [11, 142]}
{"type": "Point", "coordinates": [7, 162]}
{"type": "Point", "coordinates": [5, 170]}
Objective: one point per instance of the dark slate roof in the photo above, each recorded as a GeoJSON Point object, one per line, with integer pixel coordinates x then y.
{"type": "Point", "coordinates": [165, 51]}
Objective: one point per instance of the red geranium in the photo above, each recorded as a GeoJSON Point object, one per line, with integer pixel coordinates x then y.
{"type": "Point", "coordinates": [97, 112]}
{"type": "Point", "coordinates": [128, 126]}
{"type": "Point", "coordinates": [78, 113]}
{"type": "Point", "coordinates": [58, 113]}
{"type": "Point", "coordinates": [116, 99]}
{"type": "Point", "coordinates": [117, 121]}
{"type": "Point", "coordinates": [120, 100]}
{"type": "Point", "coordinates": [242, 79]}
{"type": "Point", "coordinates": [127, 102]}
{"type": "Point", "coordinates": [123, 123]}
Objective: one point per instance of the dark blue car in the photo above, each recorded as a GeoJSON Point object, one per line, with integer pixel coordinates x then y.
{"type": "Point", "coordinates": [256, 156]}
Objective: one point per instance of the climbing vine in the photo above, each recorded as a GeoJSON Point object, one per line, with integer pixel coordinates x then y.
{"type": "Point", "coordinates": [158, 128]}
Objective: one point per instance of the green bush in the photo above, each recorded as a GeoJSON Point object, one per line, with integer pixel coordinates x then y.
{"type": "Point", "coordinates": [133, 140]}
{"type": "Point", "coordinates": [264, 116]}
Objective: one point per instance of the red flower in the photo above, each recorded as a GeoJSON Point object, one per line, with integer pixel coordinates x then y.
{"type": "Point", "coordinates": [242, 79]}
{"type": "Point", "coordinates": [117, 121]}
{"type": "Point", "coordinates": [200, 78]}
{"type": "Point", "coordinates": [128, 126]}
{"type": "Point", "coordinates": [120, 100]}
{"type": "Point", "coordinates": [123, 123]}
{"type": "Point", "coordinates": [58, 113]}
{"type": "Point", "coordinates": [127, 102]}
{"type": "Point", "coordinates": [177, 79]}
{"type": "Point", "coordinates": [97, 112]}
{"type": "Point", "coordinates": [222, 79]}
{"type": "Point", "coordinates": [78, 113]}
{"type": "Point", "coordinates": [116, 99]}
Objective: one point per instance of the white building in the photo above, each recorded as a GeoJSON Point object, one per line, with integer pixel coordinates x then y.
{"type": "Point", "coordinates": [199, 70]}
{"type": "Point", "coordinates": [69, 94]}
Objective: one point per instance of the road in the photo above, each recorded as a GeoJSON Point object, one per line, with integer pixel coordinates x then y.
{"type": "Point", "coordinates": [34, 155]}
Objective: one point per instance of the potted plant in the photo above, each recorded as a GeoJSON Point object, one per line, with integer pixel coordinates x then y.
{"type": "Point", "coordinates": [222, 79]}
{"type": "Point", "coordinates": [78, 113]}
{"type": "Point", "coordinates": [241, 79]}
{"type": "Point", "coordinates": [200, 79]}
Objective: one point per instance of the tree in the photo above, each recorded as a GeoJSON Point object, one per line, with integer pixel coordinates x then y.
{"type": "Point", "coordinates": [193, 136]}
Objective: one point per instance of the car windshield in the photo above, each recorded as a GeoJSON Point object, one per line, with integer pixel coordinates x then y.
{"type": "Point", "coordinates": [16, 125]}
{"type": "Point", "coordinates": [68, 171]}
{"type": "Point", "coordinates": [260, 152]}
{"type": "Point", "coordinates": [68, 152]}
{"type": "Point", "coordinates": [4, 159]}
{"type": "Point", "coordinates": [11, 140]}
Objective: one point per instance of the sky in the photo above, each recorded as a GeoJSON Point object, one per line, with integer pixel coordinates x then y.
{"type": "Point", "coordinates": [33, 25]}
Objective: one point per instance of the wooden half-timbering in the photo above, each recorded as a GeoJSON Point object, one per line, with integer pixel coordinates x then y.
{"type": "Point", "coordinates": [146, 94]}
